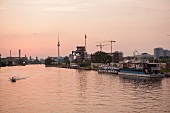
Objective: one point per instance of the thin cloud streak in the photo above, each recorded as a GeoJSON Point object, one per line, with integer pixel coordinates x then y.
{"type": "Point", "coordinates": [44, 5]}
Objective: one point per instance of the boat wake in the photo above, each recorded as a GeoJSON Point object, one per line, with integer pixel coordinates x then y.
{"type": "Point", "coordinates": [16, 79]}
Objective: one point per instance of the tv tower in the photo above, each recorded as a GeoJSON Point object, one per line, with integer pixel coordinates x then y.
{"type": "Point", "coordinates": [58, 46]}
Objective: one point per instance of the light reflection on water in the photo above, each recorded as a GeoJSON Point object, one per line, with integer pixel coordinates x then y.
{"type": "Point", "coordinates": [58, 90]}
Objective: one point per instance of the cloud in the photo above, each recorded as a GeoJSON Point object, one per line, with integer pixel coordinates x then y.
{"type": "Point", "coordinates": [50, 5]}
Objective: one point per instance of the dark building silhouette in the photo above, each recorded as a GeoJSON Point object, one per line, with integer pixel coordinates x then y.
{"type": "Point", "coordinates": [80, 53]}
{"type": "Point", "coordinates": [117, 56]}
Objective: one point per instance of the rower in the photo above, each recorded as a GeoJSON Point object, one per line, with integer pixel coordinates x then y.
{"type": "Point", "coordinates": [13, 79]}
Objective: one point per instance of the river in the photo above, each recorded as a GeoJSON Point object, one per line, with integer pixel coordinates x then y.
{"type": "Point", "coordinates": [43, 89]}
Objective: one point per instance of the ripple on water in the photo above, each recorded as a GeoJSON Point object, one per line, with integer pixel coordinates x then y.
{"type": "Point", "coordinates": [51, 90]}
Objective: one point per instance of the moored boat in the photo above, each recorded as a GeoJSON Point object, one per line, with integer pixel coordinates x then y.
{"type": "Point", "coordinates": [108, 69]}
{"type": "Point", "coordinates": [148, 70]}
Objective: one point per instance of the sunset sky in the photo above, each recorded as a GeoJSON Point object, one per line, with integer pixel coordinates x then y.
{"type": "Point", "coordinates": [33, 26]}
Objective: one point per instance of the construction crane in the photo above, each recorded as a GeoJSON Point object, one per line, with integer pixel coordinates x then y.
{"type": "Point", "coordinates": [110, 44]}
{"type": "Point", "coordinates": [135, 51]}
{"type": "Point", "coordinates": [100, 45]}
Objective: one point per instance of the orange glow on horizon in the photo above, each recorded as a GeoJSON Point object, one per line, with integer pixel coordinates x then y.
{"type": "Point", "coordinates": [32, 26]}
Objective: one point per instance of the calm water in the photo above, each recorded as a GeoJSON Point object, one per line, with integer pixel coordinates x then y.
{"type": "Point", "coordinates": [55, 90]}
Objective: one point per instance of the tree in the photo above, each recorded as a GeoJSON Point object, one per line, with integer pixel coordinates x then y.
{"type": "Point", "coordinates": [101, 57]}
{"type": "Point", "coordinates": [66, 60]}
{"type": "Point", "coordinates": [48, 61]}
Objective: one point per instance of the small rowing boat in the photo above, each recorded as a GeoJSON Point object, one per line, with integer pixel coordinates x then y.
{"type": "Point", "coordinates": [13, 79]}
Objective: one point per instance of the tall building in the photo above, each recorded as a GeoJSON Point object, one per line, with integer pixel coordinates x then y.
{"type": "Point", "coordinates": [158, 52]}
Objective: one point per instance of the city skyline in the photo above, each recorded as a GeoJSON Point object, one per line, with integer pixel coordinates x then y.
{"type": "Point", "coordinates": [33, 26]}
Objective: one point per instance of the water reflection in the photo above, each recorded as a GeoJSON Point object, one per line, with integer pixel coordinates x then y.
{"type": "Point", "coordinates": [141, 91]}
{"type": "Point", "coordinates": [148, 83]}
{"type": "Point", "coordinates": [82, 83]}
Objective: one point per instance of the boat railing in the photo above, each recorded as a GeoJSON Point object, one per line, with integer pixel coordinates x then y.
{"type": "Point", "coordinates": [155, 68]}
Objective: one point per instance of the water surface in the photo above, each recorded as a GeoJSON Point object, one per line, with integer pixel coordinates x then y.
{"type": "Point", "coordinates": [57, 90]}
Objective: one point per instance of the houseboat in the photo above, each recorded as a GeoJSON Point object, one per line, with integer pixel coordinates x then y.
{"type": "Point", "coordinates": [141, 69]}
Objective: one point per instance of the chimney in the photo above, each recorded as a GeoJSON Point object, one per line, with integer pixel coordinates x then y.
{"type": "Point", "coordinates": [19, 53]}
{"type": "Point", "coordinates": [10, 53]}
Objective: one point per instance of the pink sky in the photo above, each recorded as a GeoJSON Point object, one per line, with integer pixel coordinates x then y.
{"type": "Point", "coordinates": [33, 25]}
